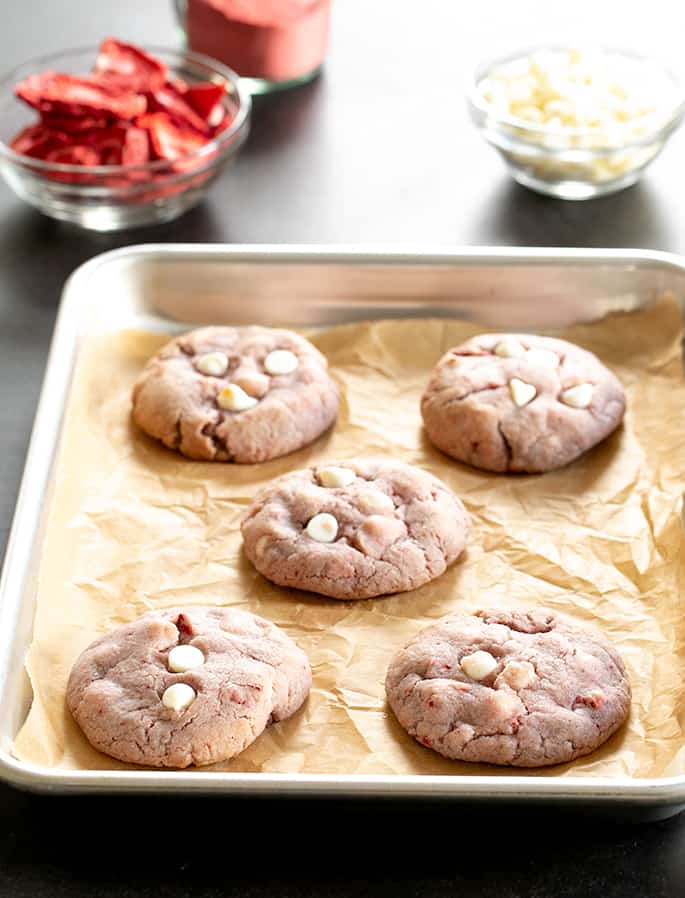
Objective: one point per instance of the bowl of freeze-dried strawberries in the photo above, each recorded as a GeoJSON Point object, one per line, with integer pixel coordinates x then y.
{"type": "Point", "coordinates": [118, 136]}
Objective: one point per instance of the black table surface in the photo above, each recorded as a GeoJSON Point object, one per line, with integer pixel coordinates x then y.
{"type": "Point", "coordinates": [377, 150]}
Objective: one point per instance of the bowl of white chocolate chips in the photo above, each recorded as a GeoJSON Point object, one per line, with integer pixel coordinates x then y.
{"type": "Point", "coordinates": [576, 123]}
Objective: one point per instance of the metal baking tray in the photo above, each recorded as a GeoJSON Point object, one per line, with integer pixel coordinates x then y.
{"type": "Point", "coordinates": [172, 287]}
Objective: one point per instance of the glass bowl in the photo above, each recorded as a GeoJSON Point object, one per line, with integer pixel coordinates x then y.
{"type": "Point", "coordinates": [113, 197]}
{"type": "Point", "coordinates": [574, 163]}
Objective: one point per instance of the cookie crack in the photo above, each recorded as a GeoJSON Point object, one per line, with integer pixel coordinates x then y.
{"type": "Point", "coordinates": [490, 388]}
{"type": "Point", "coordinates": [178, 434]}
{"type": "Point", "coordinates": [506, 444]}
{"type": "Point", "coordinates": [219, 443]}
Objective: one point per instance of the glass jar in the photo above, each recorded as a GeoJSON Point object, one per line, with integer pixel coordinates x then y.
{"type": "Point", "coordinates": [273, 44]}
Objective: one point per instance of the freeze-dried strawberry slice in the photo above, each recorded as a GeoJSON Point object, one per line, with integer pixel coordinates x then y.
{"type": "Point", "coordinates": [169, 99]}
{"type": "Point", "coordinates": [69, 124]}
{"type": "Point", "coordinates": [74, 155]}
{"type": "Point", "coordinates": [29, 138]}
{"type": "Point", "coordinates": [107, 142]}
{"type": "Point", "coordinates": [170, 139]}
{"type": "Point", "coordinates": [68, 95]}
{"type": "Point", "coordinates": [129, 66]}
{"type": "Point", "coordinates": [121, 144]}
{"type": "Point", "coordinates": [205, 99]}
{"type": "Point", "coordinates": [179, 84]}
{"type": "Point", "coordinates": [37, 140]}
{"type": "Point", "coordinates": [136, 149]}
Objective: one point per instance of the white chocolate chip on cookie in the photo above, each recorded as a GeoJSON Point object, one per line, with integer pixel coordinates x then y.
{"type": "Point", "coordinates": [333, 476]}
{"type": "Point", "coordinates": [323, 528]}
{"type": "Point", "coordinates": [579, 396]}
{"type": "Point", "coordinates": [234, 399]}
{"type": "Point", "coordinates": [545, 358]}
{"type": "Point", "coordinates": [521, 392]}
{"type": "Point", "coordinates": [478, 665]}
{"type": "Point", "coordinates": [510, 348]}
{"type": "Point", "coordinates": [184, 657]}
{"type": "Point", "coordinates": [178, 697]}
{"type": "Point", "coordinates": [215, 363]}
{"type": "Point", "coordinates": [281, 361]}
{"type": "Point", "coordinates": [517, 675]}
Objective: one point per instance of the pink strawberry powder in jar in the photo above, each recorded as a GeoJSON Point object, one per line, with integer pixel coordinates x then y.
{"type": "Point", "coordinates": [273, 43]}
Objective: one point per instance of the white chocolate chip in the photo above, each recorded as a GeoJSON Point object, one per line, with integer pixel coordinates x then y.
{"type": "Point", "coordinates": [234, 399]}
{"type": "Point", "coordinates": [323, 528]}
{"type": "Point", "coordinates": [579, 396]}
{"type": "Point", "coordinates": [521, 392]}
{"type": "Point", "coordinates": [178, 697]}
{"type": "Point", "coordinates": [545, 358]}
{"type": "Point", "coordinates": [281, 361]}
{"type": "Point", "coordinates": [510, 348]}
{"type": "Point", "coordinates": [184, 657]}
{"type": "Point", "coordinates": [334, 476]}
{"type": "Point", "coordinates": [517, 675]}
{"type": "Point", "coordinates": [582, 87]}
{"type": "Point", "coordinates": [478, 665]}
{"type": "Point", "coordinates": [215, 363]}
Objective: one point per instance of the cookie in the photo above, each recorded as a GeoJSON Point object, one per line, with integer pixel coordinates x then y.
{"type": "Point", "coordinates": [186, 686]}
{"type": "Point", "coordinates": [515, 688]}
{"type": "Point", "coordinates": [516, 402]}
{"type": "Point", "coordinates": [241, 394]}
{"type": "Point", "coordinates": [355, 529]}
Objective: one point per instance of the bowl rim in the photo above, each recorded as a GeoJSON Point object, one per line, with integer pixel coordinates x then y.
{"type": "Point", "coordinates": [222, 142]}
{"type": "Point", "coordinates": [667, 118]}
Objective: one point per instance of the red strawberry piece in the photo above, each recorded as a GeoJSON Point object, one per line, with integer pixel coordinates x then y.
{"type": "Point", "coordinates": [27, 139]}
{"type": "Point", "coordinates": [180, 86]}
{"type": "Point", "coordinates": [594, 699]}
{"type": "Point", "coordinates": [53, 92]}
{"type": "Point", "coordinates": [129, 67]}
{"type": "Point", "coordinates": [109, 143]}
{"type": "Point", "coordinates": [205, 99]}
{"type": "Point", "coordinates": [74, 155]}
{"type": "Point", "coordinates": [69, 124]}
{"type": "Point", "coordinates": [170, 139]}
{"type": "Point", "coordinates": [136, 149]}
{"type": "Point", "coordinates": [169, 99]}
{"type": "Point", "coordinates": [38, 140]}
{"type": "Point", "coordinates": [184, 624]}
{"type": "Point", "coordinates": [120, 145]}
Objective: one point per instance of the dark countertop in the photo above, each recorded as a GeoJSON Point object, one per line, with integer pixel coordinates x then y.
{"type": "Point", "coordinates": [378, 150]}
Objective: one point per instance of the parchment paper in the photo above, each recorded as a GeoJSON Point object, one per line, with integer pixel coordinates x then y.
{"type": "Point", "coordinates": [134, 526]}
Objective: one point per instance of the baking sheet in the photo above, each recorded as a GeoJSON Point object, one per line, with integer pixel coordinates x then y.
{"type": "Point", "coordinates": [133, 526]}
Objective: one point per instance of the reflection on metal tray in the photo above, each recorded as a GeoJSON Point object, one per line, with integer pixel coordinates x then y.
{"type": "Point", "coordinates": [170, 288]}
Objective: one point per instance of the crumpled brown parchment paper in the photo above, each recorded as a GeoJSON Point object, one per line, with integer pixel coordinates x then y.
{"type": "Point", "coordinates": [134, 526]}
